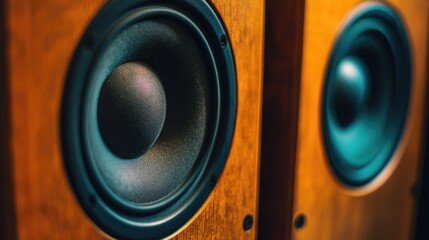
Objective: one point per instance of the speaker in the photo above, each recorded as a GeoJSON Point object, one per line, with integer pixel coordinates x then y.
{"type": "Point", "coordinates": [364, 119]}
{"type": "Point", "coordinates": [134, 119]}
{"type": "Point", "coordinates": [353, 167]}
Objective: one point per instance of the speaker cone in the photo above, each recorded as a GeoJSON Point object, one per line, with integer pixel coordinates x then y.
{"type": "Point", "coordinates": [367, 91]}
{"type": "Point", "coordinates": [148, 115]}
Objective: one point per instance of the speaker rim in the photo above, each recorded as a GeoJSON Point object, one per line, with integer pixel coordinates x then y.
{"type": "Point", "coordinates": [182, 211]}
{"type": "Point", "coordinates": [388, 15]}
{"type": "Point", "coordinates": [99, 181]}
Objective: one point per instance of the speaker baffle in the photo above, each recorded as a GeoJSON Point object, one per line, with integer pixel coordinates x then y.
{"type": "Point", "coordinates": [148, 115]}
{"type": "Point", "coordinates": [366, 95]}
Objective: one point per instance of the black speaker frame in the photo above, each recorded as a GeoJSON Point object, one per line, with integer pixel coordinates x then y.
{"type": "Point", "coordinates": [162, 222]}
{"type": "Point", "coordinates": [387, 23]}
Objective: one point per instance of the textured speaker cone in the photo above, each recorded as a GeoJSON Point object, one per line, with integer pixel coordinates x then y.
{"type": "Point", "coordinates": [131, 110]}
{"type": "Point", "coordinates": [148, 115]}
{"type": "Point", "coordinates": [367, 90]}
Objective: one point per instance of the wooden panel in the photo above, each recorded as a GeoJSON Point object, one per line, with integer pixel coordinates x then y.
{"type": "Point", "coordinates": [384, 209]}
{"type": "Point", "coordinates": [282, 73]}
{"type": "Point", "coordinates": [236, 194]}
{"type": "Point", "coordinates": [43, 35]}
{"type": "Point", "coordinates": [7, 203]}
{"type": "Point", "coordinates": [42, 39]}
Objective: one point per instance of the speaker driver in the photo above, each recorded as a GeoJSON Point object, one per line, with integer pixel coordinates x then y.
{"type": "Point", "coordinates": [366, 96]}
{"type": "Point", "coordinates": [148, 115]}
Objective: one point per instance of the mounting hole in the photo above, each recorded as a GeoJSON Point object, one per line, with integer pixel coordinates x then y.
{"type": "Point", "coordinates": [213, 180]}
{"type": "Point", "coordinates": [247, 222]}
{"type": "Point", "coordinates": [299, 221]}
{"type": "Point", "coordinates": [223, 41]}
{"type": "Point", "coordinates": [415, 190]}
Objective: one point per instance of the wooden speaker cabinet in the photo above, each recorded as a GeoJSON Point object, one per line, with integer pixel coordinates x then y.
{"type": "Point", "coordinates": [351, 170]}
{"type": "Point", "coordinates": [349, 198]}
{"type": "Point", "coordinates": [41, 38]}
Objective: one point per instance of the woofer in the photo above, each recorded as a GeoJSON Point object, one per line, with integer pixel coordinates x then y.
{"type": "Point", "coordinates": [343, 123]}
{"type": "Point", "coordinates": [367, 93]}
{"type": "Point", "coordinates": [148, 115]}
{"type": "Point", "coordinates": [360, 124]}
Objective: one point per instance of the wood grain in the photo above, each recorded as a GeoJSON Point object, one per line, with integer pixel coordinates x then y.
{"type": "Point", "coordinates": [282, 73]}
{"type": "Point", "coordinates": [42, 37]}
{"type": "Point", "coordinates": [385, 208]}
{"type": "Point", "coordinates": [236, 193]}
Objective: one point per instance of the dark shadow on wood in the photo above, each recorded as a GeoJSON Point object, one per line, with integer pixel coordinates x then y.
{"type": "Point", "coordinates": [282, 73]}
{"type": "Point", "coordinates": [422, 189]}
{"type": "Point", "coordinates": [7, 204]}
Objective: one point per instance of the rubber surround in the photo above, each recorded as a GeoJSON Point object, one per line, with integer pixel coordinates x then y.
{"type": "Point", "coordinates": [122, 219]}
{"type": "Point", "coordinates": [359, 150]}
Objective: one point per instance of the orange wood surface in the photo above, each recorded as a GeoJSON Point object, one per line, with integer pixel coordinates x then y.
{"type": "Point", "coordinates": [236, 193]}
{"type": "Point", "coordinates": [385, 208]}
{"type": "Point", "coordinates": [42, 36]}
